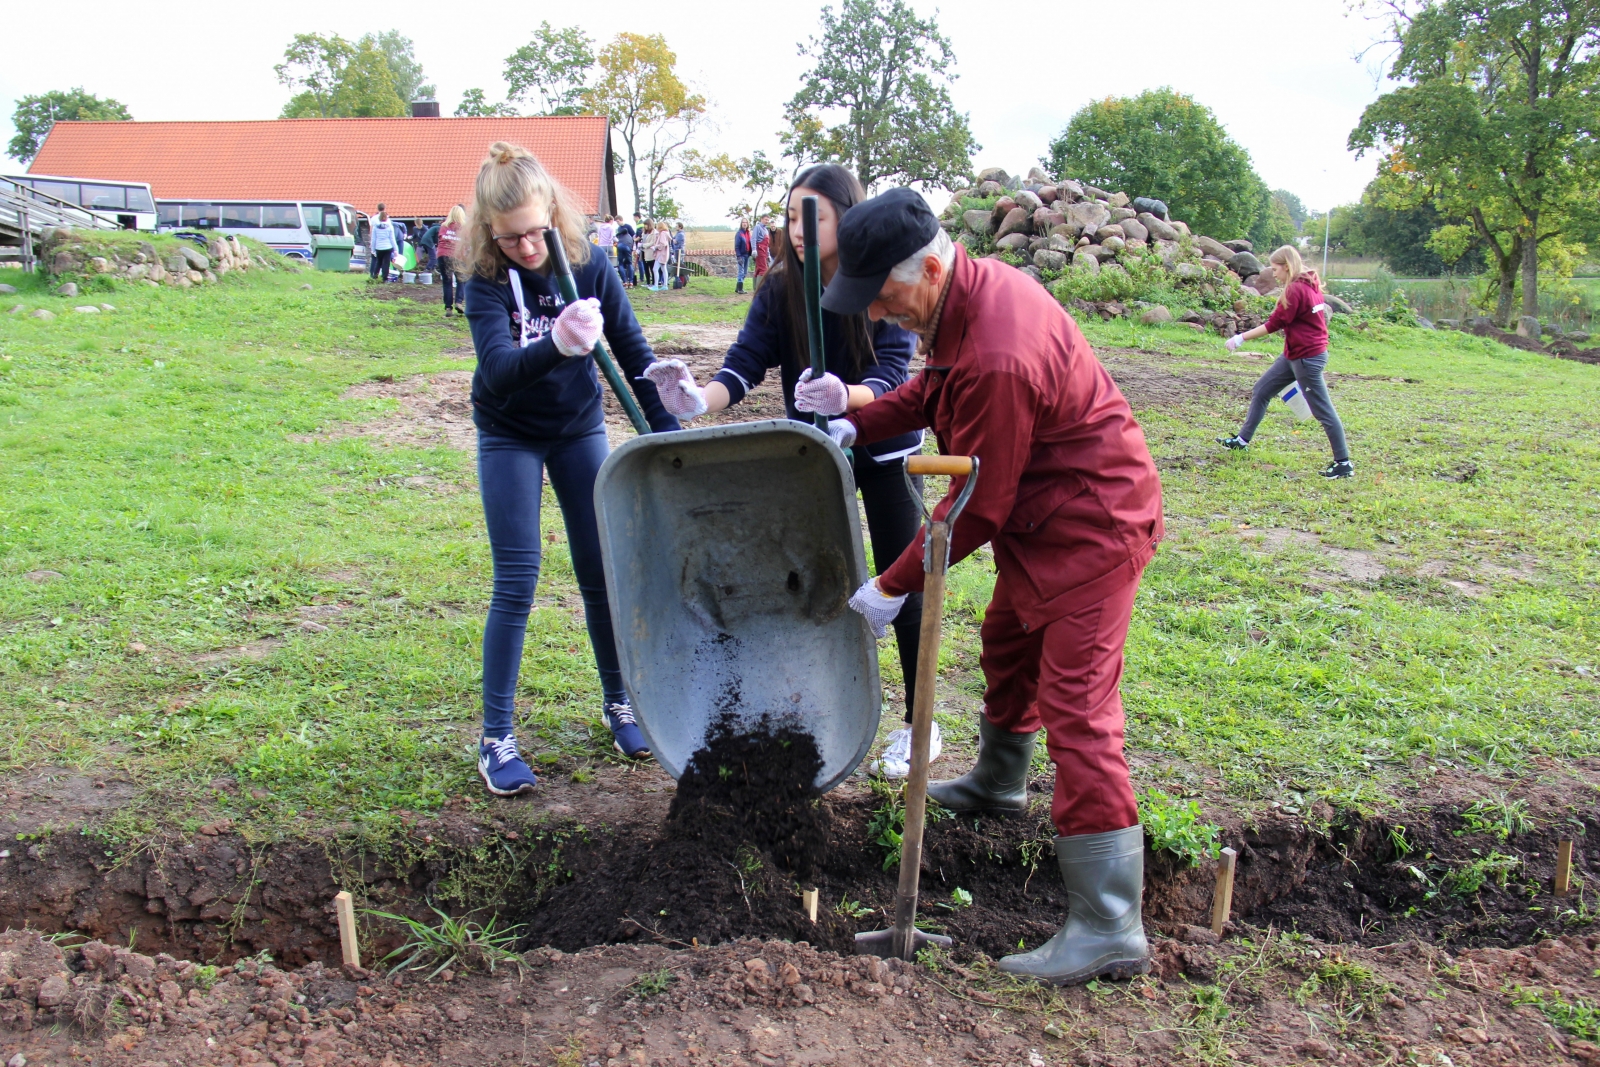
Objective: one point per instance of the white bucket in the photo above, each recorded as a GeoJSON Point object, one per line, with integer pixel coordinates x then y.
{"type": "Point", "coordinates": [409, 278]}
{"type": "Point", "coordinates": [425, 277]}
{"type": "Point", "coordinates": [1296, 401]}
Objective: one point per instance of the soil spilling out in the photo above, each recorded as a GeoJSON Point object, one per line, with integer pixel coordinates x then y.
{"type": "Point", "coordinates": [753, 789]}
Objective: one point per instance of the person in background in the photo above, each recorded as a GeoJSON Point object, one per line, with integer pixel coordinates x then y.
{"type": "Point", "coordinates": [428, 248]}
{"type": "Point", "coordinates": [451, 231]}
{"type": "Point", "coordinates": [606, 232]}
{"type": "Point", "coordinates": [864, 360]}
{"type": "Point", "coordinates": [383, 243]}
{"type": "Point", "coordinates": [680, 244]}
{"type": "Point", "coordinates": [625, 239]}
{"type": "Point", "coordinates": [536, 404]}
{"type": "Point", "coordinates": [763, 241]}
{"type": "Point", "coordinates": [1302, 315]}
{"type": "Point", "coordinates": [742, 248]}
{"type": "Point", "coordinates": [641, 227]}
{"type": "Point", "coordinates": [647, 253]}
{"type": "Point", "coordinates": [663, 248]}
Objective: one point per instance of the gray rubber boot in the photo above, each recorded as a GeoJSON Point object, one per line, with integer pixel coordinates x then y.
{"type": "Point", "coordinates": [998, 780]}
{"type": "Point", "coordinates": [1104, 934]}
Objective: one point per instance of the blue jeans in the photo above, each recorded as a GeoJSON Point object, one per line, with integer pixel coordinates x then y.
{"type": "Point", "coordinates": [511, 480]}
{"type": "Point", "coordinates": [744, 268]}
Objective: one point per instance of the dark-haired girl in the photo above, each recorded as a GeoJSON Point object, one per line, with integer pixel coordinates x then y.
{"type": "Point", "coordinates": [864, 360]}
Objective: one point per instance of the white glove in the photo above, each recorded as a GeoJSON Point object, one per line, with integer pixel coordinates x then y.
{"type": "Point", "coordinates": [877, 609]}
{"type": "Point", "coordinates": [843, 432]}
{"type": "Point", "coordinates": [1235, 341]}
{"type": "Point", "coordinates": [827, 394]}
{"type": "Point", "coordinates": [679, 395]}
{"type": "Point", "coordinates": [578, 327]}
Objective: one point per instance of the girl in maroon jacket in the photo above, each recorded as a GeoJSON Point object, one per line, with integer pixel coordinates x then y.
{"type": "Point", "coordinates": [1302, 315]}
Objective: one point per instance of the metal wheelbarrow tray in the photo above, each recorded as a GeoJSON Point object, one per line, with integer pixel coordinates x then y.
{"type": "Point", "coordinates": [731, 553]}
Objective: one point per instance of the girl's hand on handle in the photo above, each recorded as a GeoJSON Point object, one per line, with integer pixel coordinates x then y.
{"type": "Point", "coordinates": [1235, 341]}
{"type": "Point", "coordinates": [577, 329]}
{"type": "Point", "coordinates": [682, 398]}
{"type": "Point", "coordinates": [827, 395]}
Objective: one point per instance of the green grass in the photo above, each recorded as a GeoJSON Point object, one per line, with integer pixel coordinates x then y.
{"type": "Point", "coordinates": [165, 461]}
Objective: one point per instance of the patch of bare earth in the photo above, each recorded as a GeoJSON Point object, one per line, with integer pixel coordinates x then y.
{"type": "Point", "coordinates": [1471, 578]}
{"type": "Point", "coordinates": [435, 410]}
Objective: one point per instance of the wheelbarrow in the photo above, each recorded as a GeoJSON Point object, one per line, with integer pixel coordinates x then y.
{"type": "Point", "coordinates": [731, 553]}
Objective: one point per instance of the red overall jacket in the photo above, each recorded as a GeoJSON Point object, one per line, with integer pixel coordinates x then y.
{"type": "Point", "coordinates": [1067, 491]}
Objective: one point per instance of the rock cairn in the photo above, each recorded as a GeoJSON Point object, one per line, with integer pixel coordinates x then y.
{"type": "Point", "coordinates": [77, 252]}
{"type": "Point", "coordinates": [1048, 227]}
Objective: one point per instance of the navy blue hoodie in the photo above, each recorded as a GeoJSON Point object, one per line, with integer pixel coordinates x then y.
{"type": "Point", "coordinates": [765, 340]}
{"type": "Point", "coordinates": [523, 386]}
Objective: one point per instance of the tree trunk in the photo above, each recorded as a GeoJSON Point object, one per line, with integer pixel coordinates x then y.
{"type": "Point", "coordinates": [1508, 288]}
{"type": "Point", "coordinates": [1530, 267]}
{"type": "Point", "coordinates": [633, 172]}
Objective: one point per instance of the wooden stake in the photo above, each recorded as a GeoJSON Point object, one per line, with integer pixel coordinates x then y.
{"type": "Point", "coordinates": [808, 897]}
{"type": "Point", "coordinates": [345, 906]}
{"type": "Point", "coordinates": [1563, 868]}
{"type": "Point", "coordinates": [1222, 899]}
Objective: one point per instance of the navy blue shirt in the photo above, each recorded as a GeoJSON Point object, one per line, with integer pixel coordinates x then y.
{"type": "Point", "coordinates": [765, 339]}
{"type": "Point", "coordinates": [525, 387]}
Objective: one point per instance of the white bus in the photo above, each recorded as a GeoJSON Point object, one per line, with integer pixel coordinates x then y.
{"type": "Point", "coordinates": [285, 225]}
{"type": "Point", "coordinates": [127, 205]}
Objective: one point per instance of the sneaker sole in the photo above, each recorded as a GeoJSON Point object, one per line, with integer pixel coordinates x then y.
{"type": "Point", "coordinates": [643, 753]}
{"type": "Point", "coordinates": [506, 792]}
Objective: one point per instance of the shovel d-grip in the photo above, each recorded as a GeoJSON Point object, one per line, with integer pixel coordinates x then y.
{"type": "Point", "coordinates": [903, 939]}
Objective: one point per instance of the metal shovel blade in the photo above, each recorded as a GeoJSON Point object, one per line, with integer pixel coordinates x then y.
{"type": "Point", "coordinates": [731, 553]}
{"type": "Point", "coordinates": [882, 943]}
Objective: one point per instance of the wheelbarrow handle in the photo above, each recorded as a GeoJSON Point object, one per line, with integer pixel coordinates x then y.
{"type": "Point", "coordinates": [562, 269]}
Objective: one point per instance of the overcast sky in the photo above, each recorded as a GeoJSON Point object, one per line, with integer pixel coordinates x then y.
{"type": "Point", "coordinates": [1283, 78]}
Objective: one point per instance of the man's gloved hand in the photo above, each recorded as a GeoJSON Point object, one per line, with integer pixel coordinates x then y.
{"type": "Point", "coordinates": [843, 432]}
{"type": "Point", "coordinates": [1235, 341]}
{"type": "Point", "coordinates": [681, 397]}
{"type": "Point", "coordinates": [877, 609]}
{"type": "Point", "coordinates": [827, 395]}
{"type": "Point", "coordinates": [578, 327]}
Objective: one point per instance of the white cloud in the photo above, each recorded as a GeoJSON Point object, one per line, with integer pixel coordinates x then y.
{"type": "Point", "coordinates": [1284, 79]}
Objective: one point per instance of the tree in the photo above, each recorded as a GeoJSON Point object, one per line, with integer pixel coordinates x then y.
{"type": "Point", "coordinates": [556, 66]}
{"type": "Point", "coordinates": [408, 76]}
{"type": "Point", "coordinates": [1163, 144]}
{"type": "Point", "coordinates": [338, 79]}
{"type": "Point", "coordinates": [669, 160]}
{"type": "Point", "coordinates": [1293, 205]}
{"type": "Point", "coordinates": [36, 114]}
{"type": "Point", "coordinates": [473, 105]}
{"type": "Point", "coordinates": [1274, 225]}
{"type": "Point", "coordinates": [1496, 122]}
{"type": "Point", "coordinates": [760, 175]}
{"type": "Point", "coordinates": [640, 92]}
{"type": "Point", "coordinates": [888, 71]}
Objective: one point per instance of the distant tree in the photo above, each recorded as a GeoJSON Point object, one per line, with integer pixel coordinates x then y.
{"type": "Point", "coordinates": [1345, 231]}
{"type": "Point", "coordinates": [555, 66]}
{"type": "Point", "coordinates": [36, 114]}
{"type": "Point", "coordinates": [669, 160]}
{"type": "Point", "coordinates": [888, 71]}
{"type": "Point", "coordinates": [1163, 144]}
{"type": "Point", "coordinates": [1496, 118]}
{"type": "Point", "coordinates": [338, 79]}
{"type": "Point", "coordinates": [1293, 205]}
{"type": "Point", "coordinates": [408, 77]}
{"type": "Point", "coordinates": [1274, 225]}
{"type": "Point", "coordinates": [640, 92]}
{"type": "Point", "coordinates": [760, 176]}
{"type": "Point", "coordinates": [473, 105]}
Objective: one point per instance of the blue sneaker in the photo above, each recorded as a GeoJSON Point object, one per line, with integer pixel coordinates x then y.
{"type": "Point", "coordinates": [504, 772]}
{"type": "Point", "coordinates": [626, 735]}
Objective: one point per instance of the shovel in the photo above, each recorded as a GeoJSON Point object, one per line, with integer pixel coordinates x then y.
{"type": "Point", "coordinates": [902, 940]}
{"type": "Point", "coordinates": [562, 269]}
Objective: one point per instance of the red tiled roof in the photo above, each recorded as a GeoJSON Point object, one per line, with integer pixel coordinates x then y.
{"type": "Point", "coordinates": [416, 166]}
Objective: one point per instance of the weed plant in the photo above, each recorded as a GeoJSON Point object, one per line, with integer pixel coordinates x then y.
{"type": "Point", "coordinates": [1178, 827]}
{"type": "Point", "coordinates": [452, 944]}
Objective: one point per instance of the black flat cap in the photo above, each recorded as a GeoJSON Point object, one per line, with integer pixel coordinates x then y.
{"type": "Point", "coordinates": [874, 237]}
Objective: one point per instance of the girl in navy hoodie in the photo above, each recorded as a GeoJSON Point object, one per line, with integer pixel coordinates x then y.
{"type": "Point", "coordinates": [1302, 315]}
{"type": "Point", "coordinates": [536, 403]}
{"type": "Point", "coordinates": [864, 360]}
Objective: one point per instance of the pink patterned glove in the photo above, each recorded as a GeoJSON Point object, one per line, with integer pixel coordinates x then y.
{"type": "Point", "coordinates": [682, 398]}
{"type": "Point", "coordinates": [827, 395]}
{"type": "Point", "coordinates": [578, 327]}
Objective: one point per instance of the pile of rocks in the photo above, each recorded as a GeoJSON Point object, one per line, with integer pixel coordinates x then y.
{"type": "Point", "coordinates": [76, 252]}
{"type": "Point", "coordinates": [1054, 224]}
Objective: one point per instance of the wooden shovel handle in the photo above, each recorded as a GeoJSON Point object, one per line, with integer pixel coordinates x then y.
{"type": "Point", "coordinates": [951, 465]}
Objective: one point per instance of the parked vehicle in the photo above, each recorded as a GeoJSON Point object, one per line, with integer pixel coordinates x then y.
{"type": "Point", "coordinates": [289, 226]}
{"type": "Point", "coordinates": [128, 205]}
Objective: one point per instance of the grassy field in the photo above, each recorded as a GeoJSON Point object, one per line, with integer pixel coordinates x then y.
{"type": "Point", "coordinates": [197, 579]}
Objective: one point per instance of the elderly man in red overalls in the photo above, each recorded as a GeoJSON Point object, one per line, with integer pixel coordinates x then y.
{"type": "Point", "coordinates": [1069, 498]}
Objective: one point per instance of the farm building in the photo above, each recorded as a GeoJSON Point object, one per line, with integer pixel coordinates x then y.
{"type": "Point", "coordinates": [419, 167]}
